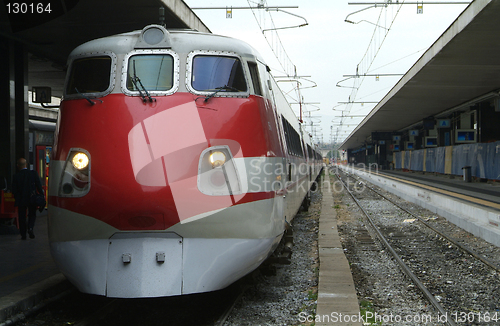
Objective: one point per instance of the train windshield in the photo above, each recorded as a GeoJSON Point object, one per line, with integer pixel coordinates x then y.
{"type": "Point", "coordinates": [89, 75]}
{"type": "Point", "coordinates": [150, 72]}
{"type": "Point", "coordinates": [212, 72]}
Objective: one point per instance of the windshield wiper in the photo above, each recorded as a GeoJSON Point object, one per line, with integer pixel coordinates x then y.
{"type": "Point", "coordinates": [220, 89]}
{"type": "Point", "coordinates": [137, 82]}
{"type": "Point", "coordinates": [86, 97]}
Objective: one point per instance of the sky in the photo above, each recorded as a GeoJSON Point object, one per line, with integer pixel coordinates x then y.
{"type": "Point", "coordinates": [328, 48]}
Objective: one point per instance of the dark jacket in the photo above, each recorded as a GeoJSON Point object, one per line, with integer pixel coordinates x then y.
{"type": "Point", "coordinates": [22, 186]}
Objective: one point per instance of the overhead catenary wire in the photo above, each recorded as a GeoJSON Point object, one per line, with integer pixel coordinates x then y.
{"type": "Point", "coordinates": [398, 4]}
{"type": "Point", "coordinates": [274, 41]}
{"type": "Point", "coordinates": [402, 58]}
{"type": "Point", "coordinates": [368, 58]}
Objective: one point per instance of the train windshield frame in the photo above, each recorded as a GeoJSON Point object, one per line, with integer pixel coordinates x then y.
{"type": "Point", "coordinates": [91, 74]}
{"type": "Point", "coordinates": [156, 71]}
{"type": "Point", "coordinates": [217, 71]}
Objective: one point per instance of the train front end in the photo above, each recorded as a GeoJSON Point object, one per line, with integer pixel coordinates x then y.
{"type": "Point", "coordinates": [157, 184]}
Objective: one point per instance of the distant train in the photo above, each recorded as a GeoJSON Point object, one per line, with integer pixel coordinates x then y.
{"type": "Point", "coordinates": [176, 167]}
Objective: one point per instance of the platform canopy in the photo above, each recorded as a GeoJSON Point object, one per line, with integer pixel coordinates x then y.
{"type": "Point", "coordinates": [459, 69]}
{"type": "Point", "coordinates": [50, 36]}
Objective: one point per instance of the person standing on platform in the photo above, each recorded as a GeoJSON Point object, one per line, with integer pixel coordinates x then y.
{"type": "Point", "coordinates": [24, 183]}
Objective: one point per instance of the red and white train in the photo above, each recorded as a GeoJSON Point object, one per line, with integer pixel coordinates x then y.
{"type": "Point", "coordinates": [176, 166]}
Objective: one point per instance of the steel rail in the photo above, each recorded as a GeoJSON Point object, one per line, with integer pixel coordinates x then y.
{"type": "Point", "coordinates": [398, 259]}
{"type": "Point", "coordinates": [223, 318]}
{"type": "Point", "coordinates": [444, 235]}
{"type": "Point", "coordinates": [23, 315]}
{"type": "Point", "coordinates": [99, 313]}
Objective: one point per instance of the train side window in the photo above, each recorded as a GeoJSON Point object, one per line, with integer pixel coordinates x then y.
{"type": "Point", "coordinates": [292, 139]}
{"type": "Point", "coordinates": [254, 74]}
{"type": "Point", "coordinates": [287, 134]}
{"type": "Point", "coordinates": [212, 72]}
{"type": "Point", "coordinates": [154, 71]}
{"type": "Point", "coordinates": [90, 75]}
{"type": "Point", "coordinates": [263, 78]}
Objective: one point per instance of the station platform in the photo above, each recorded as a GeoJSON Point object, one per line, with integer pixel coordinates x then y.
{"type": "Point", "coordinates": [489, 191]}
{"type": "Point", "coordinates": [473, 206]}
{"type": "Point", "coordinates": [337, 298]}
{"type": "Point", "coordinates": [28, 275]}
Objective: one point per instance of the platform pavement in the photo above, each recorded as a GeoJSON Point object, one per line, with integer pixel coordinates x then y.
{"type": "Point", "coordinates": [28, 274]}
{"type": "Point", "coordinates": [336, 291]}
{"type": "Point", "coordinates": [489, 191]}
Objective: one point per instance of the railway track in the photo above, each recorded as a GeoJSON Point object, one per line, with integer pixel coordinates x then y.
{"type": "Point", "coordinates": [206, 314]}
{"type": "Point", "coordinates": [207, 309]}
{"type": "Point", "coordinates": [442, 268]}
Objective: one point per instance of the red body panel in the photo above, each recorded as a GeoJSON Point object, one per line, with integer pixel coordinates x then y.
{"type": "Point", "coordinates": [115, 197]}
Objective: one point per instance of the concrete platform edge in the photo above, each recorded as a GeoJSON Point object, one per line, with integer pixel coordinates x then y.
{"type": "Point", "coordinates": [25, 299]}
{"type": "Point", "coordinates": [337, 298]}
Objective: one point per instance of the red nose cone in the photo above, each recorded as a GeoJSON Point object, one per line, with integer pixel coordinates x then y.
{"type": "Point", "coordinates": [150, 222]}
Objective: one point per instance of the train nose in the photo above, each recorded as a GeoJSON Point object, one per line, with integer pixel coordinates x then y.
{"type": "Point", "coordinates": [171, 149]}
{"type": "Point", "coordinates": [160, 143]}
{"type": "Point", "coordinates": [143, 221]}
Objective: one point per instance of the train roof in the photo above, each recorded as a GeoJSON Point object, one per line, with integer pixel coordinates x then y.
{"type": "Point", "coordinates": [181, 41]}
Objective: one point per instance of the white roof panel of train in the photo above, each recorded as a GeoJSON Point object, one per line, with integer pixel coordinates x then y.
{"type": "Point", "coordinates": [182, 41]}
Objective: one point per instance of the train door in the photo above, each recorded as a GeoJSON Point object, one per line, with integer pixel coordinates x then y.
{"type": "Point", "coordinates": [42, 166]}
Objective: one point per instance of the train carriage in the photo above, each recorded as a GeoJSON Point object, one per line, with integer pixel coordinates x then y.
{"type": "Point", "coordinates": [176, 165]}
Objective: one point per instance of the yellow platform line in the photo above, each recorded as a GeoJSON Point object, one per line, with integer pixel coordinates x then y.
{"type": "Point", "coordinates": [22, 272]}
{"type": "Point", "coordinates": [445, 192]}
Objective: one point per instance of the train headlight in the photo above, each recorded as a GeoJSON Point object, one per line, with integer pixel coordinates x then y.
{"type": "Point", "coordinates": [217, 159]}
{"type": "Point", "coordinates": [75, 178]}
{"type": "Point", "coordinates": [80, 161]}
{"type": "Point", "coordinates": [217, 172]}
